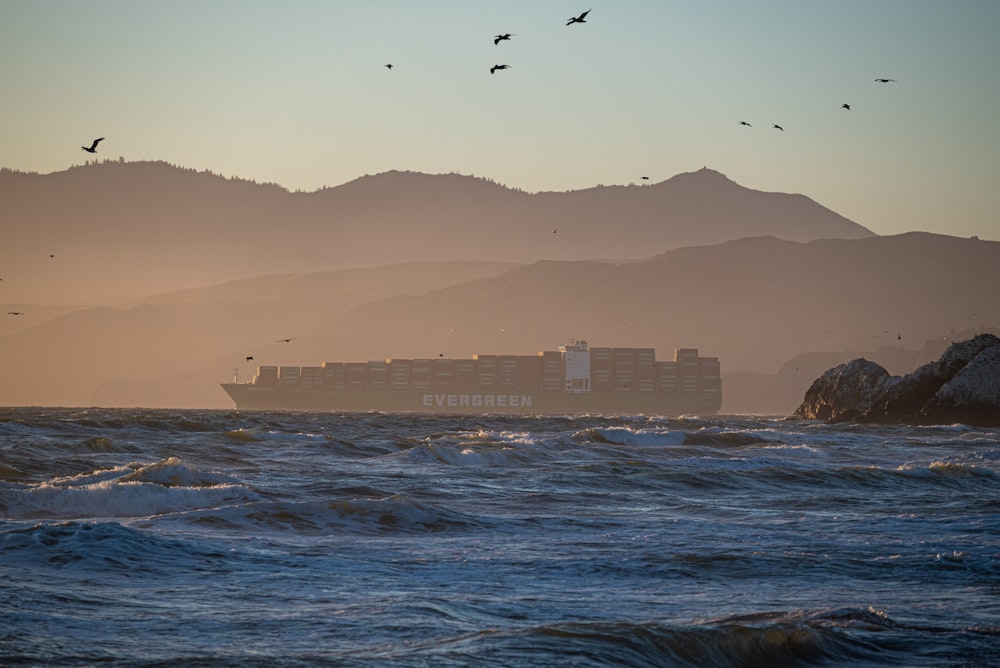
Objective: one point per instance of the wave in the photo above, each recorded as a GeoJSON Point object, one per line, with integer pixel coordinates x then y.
{"type": "Point", "coordinates": [630, 436]}
{"type": "Point", "coordinates": [395, 514]}
{"type": "Point", "coordinates": [95, 546]}
{"type": "Point", "coordinates": [133, 490]}
{"type": "Point", "coordinates": [767, 639]}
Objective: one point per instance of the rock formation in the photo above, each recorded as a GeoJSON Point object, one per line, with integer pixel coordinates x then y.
{"type": "Point", "coordinates": [961, 387]}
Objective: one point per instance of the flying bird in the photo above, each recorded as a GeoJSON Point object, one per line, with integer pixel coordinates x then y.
{"type": "Point", "coordinates": [582, 18]}
{"type": "Point", "coordinates": [498, 67]}
{"type": "Point", "coordinates": [284, 340]}
{"type": "Point", "coordinates": [15, 313]}
{"type": "Point", "coordinates": [885, 80]}
{"type": "Point", "coordinates": [845, 106]}
{"type": "Point", "coordinates": [388, 66]}
{"type": "Point", "coordinates": [778, 127]}
{"type": "Point", "coordinates": [645, 178]}
{"type": "Point", "coordinates": [501, 38]}
{"type": "Point", "coordinates": [93, 147]}
{"type": "Point", "coordinates": [746, 124]}
{"type": "Point", "coordinates": [249, 358]}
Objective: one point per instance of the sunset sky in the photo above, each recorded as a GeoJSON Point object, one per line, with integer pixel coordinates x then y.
{"type": "Point", "coordinates": [297, 93]}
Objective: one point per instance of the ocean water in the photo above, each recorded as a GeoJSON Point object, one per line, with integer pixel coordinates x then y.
{"type": "Point", "coordinates": [224, 538]}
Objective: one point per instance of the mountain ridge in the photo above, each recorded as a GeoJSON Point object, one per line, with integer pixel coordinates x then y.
{"type": "Point", "coordinates": [168, 227]}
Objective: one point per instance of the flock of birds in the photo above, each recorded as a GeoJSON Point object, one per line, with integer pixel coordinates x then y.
{"type": "Point", "coordinates": [845, 105]}
{"type": "Point", "coordinates": [503, 37]}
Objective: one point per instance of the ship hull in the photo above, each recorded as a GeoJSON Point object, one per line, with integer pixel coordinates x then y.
{"type": "Point", "coordinates": [250, 396]}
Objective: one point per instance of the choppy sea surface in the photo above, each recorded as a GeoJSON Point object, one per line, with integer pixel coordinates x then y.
{"type": "Point", "coordinates": [224, 538]}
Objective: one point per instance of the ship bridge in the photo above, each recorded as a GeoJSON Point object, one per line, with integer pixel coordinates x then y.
{"type": "Point", "coordinates": [576, 366]}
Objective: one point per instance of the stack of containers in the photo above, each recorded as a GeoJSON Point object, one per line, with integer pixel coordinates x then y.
{"type": "Point", "coordinates": [486, 373]}
{"type": "Point", "coordinates": [508, 374]}
{"type": "Point", "coordinates": [465, 375]}
{"type": "Point", "coordinates": [529, 373]}
{"type": "Point", "coordinates": [552, 371]}
{"type": "Point", "coordinates": [444, 375]}
{"type": "Point", "coordinates": [288, 375]}
{"type": "Point", "coordinates": [267, 375]}
{"type": "Point", "coordinates": [645, 369]}
{"type": "Point", "coordinates": [334, 376]}
{"type": "Point", "coordinates": [357, 375]}
{"type": "Point", "coordinates": [623, 362]}
{"type": "Point", "coordinates": [311, 377]}
{"type": "Point", "coordinates": [399, 374]}
{"type": "Point", "coordinates": [600, 370]}
{"type": "Point", "coordinates": [689, 369]}
{"type": "Point", "coordinates": [666, 377]}
{"type": "Point", "coordinates": [422, 374]}
{"type": "Point", "coordinates": [711, 375]}
{"type": "Point", "coordinates": [378, 375]}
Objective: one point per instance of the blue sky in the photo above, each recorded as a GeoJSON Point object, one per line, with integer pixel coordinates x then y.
{"type": "Point", "coordinates": [296, 93]}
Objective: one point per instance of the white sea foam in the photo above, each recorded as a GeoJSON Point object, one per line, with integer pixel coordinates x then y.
{"type": "Point", "coordinates": [134, 490]}
{"type": "Point", "coordinates": [633, 436]}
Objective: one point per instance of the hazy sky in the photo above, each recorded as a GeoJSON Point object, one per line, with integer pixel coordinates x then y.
{"type": "Point", "coordinates": [296, 92]}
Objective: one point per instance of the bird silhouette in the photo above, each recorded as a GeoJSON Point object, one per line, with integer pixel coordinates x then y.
{"type": "Point", "coordinates": [885, 80]}
{"type": "Point", "coordinates": [582, 18]}
{"type": "Point", "coordinates": [778, 127]}
{"type": "Point", "coordinates": [388, 66]}
{"type": "Point", "coordinates": [284, 340]}
{"type": "Point", "coordinates": [498, 67]}
{"type": "Point", "coordinates": [93, 147]}
{"type": "Point", "coordinates": [746, 124]}
{"type": "Point", "coordinates": [501, 38]}
{"type": "Point", "coordinates": [845, 106]}
{"type": "Point", "coordinates": [645, 178]}
{"type": "Point", "coordinates": [249, 358]}
{"type": "Point", "coordinates": [15, 313]}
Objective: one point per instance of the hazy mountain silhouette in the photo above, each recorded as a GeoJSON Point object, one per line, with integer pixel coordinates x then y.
{"type": "Point", "coordinates": [759, 304]}
{"type": "Point", "coordinates": [165, 227]}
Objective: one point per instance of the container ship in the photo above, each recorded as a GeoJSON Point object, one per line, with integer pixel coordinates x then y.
{"type": "Point", "coordinates": [575, 379]}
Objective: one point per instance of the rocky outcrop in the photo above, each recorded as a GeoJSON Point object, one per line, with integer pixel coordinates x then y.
{"type": "Point", "coordinates": [961, 387]}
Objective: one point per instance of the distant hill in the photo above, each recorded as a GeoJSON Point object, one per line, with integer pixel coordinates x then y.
{"type": "Point", "coordinates": [121, 230]}
{"type": "Point", "coordinates": [764, 306]}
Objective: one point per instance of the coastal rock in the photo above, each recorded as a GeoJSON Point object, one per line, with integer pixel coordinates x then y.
{"type": "Point", "coordinates": [961, 387]}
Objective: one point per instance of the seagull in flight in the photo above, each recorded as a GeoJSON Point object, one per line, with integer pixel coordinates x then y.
{"type": "Point", "coordinates": [845, 106]}
{"type": "Point", "coordinates": [249, 358]}
{"type": "Point", "coordinates": [498, 67]}
{"type": "Point", "coordinates": [746, 124]}
{"type": "Point", "coordinates": [93, 147]}
{"type": "Point", "coordinates": [778, 127]}
{"type": "Point", "coordinates": [284, 340]}
{"type": "Point", "coordinates": [582, 18]}
{"type": "Point", "coordinates": [388, 66]}
{"type": "Point", "coordinates": [885, 80]}
{"type": "Point", "coordinates": [501, 38]}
